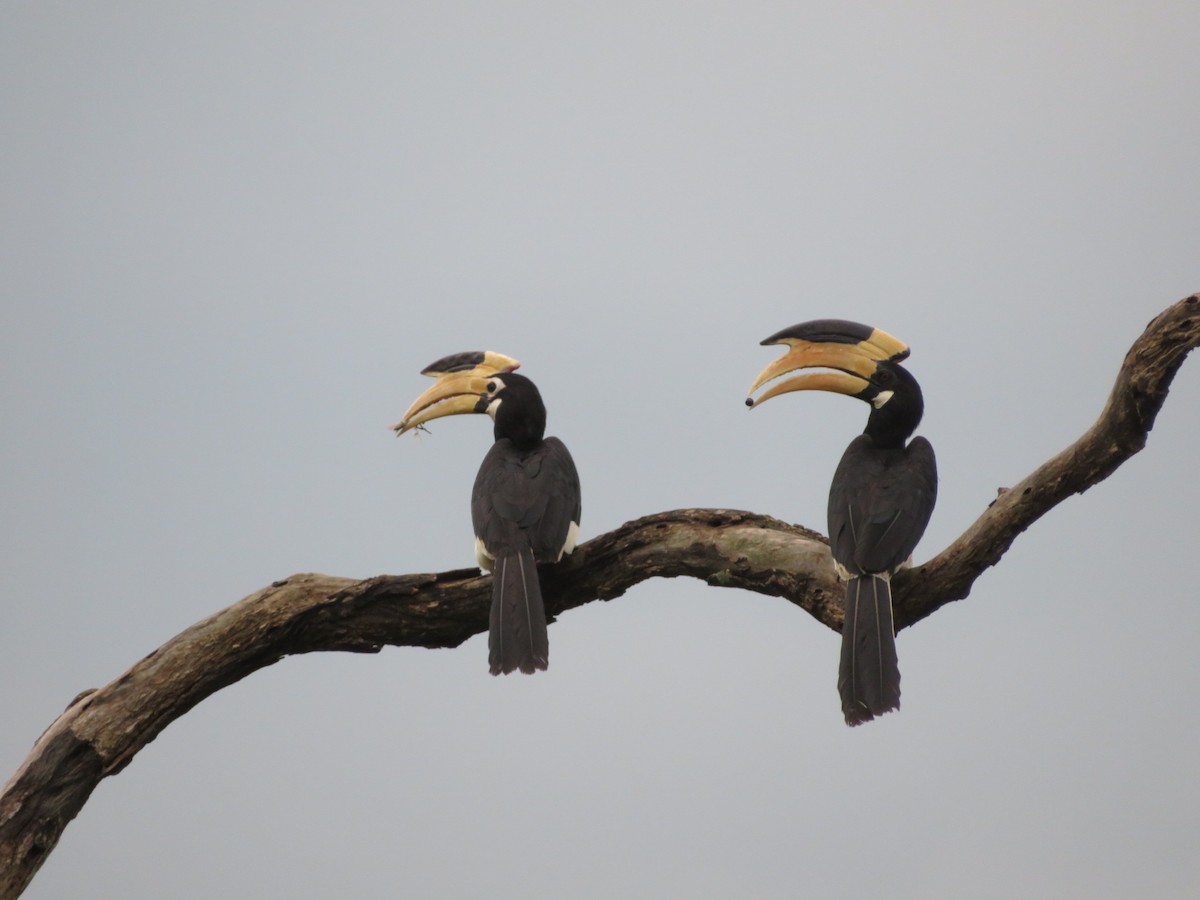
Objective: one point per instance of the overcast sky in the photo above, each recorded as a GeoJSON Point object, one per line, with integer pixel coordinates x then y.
{"type": "Point", "coordinates": [230, 238]}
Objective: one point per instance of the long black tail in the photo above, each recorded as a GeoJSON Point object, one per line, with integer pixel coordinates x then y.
{"type": "Point", "coordinates": [869, 675]}
{"type": "Point", "coordinates": [517, 631]}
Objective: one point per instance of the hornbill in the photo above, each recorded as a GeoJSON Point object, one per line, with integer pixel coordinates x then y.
{"type": "Point", "coordinates": [525, 505]}
{"type": "Point", "coordinates": [882, 495]}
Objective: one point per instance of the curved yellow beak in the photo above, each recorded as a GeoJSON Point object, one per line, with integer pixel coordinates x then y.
{"type": "Point", "coordinates": [851, 349]}
{"type": "Point", "coordinates": [461, 380]}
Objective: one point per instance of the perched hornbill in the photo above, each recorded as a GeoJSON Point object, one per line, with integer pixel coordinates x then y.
{"type": "Point", "coordinates": [525, 505]}
{"type": "Point", "coordinates": [882, 494]}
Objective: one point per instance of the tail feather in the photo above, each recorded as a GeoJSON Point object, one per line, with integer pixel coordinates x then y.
{"type": "Point", "coordinates": [869, 675]}
{"type": "Point", "coordinates": [517, 636]}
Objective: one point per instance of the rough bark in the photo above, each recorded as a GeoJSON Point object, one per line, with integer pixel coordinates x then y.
{"type": "Point", "coordinates": [101, 730]}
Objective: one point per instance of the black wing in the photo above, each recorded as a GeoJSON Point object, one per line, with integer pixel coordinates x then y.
{"type": "Point", "coordinates": [880, 503]}
{"type": "Point", "coordinates": [526, 499]}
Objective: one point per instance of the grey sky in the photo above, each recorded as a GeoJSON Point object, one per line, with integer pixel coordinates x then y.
{"type": "Point", "coordinates": [230, 239]}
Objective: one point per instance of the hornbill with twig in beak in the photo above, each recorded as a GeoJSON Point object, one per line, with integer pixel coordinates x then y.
{"type": "Point", "coordinates": [525, 505]}
{"type": "Point", "coordinates": [882, 495]}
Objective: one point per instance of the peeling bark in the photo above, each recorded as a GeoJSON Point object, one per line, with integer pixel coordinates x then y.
{"type": "Point", "coordinates": [102, 730]}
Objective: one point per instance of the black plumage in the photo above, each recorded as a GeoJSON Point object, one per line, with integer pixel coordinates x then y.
{"type": "Point", "coordinates": [880, 501]}
{"type": "Point", "coordinates": [525, 508]}
{"type": "Point", "coordinates": [882, 496]}
{"type": "Point", "coordinates": [525, 504]}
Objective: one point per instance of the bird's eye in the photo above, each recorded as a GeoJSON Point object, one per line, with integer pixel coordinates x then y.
{"type": "Point", "coordinates": [885, 376]}
{"type": "Point", "coordinates": [491, 387]}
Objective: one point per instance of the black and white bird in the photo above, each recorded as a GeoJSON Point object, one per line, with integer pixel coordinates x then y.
{"type": "Point", "coordinates": [882, 495]}
{"type": "Point", "coordinates": [525, 505]}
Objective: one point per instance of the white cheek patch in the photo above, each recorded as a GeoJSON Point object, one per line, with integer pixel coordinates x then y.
{"type": "Point", "coordinates": [882, 398]}
{"type": "Point", "coordinates": [492, 406]}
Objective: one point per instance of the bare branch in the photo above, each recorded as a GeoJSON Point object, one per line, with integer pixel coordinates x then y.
{"type": "Point", "coordinates": [102, 730]}
{"type": "Point", "coordinates": [1120, 432]}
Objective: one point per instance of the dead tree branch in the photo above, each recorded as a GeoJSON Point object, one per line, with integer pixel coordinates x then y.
{"type": "Point", "coordinates": [102, 730]}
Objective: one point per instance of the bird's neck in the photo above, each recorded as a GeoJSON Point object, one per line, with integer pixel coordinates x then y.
{"type": "Point", "coordinates": [893, 422]}
{"type": "Point", "coordinates": [522, 431]}
{"type": "Point", "coordinates": [889, 432]}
